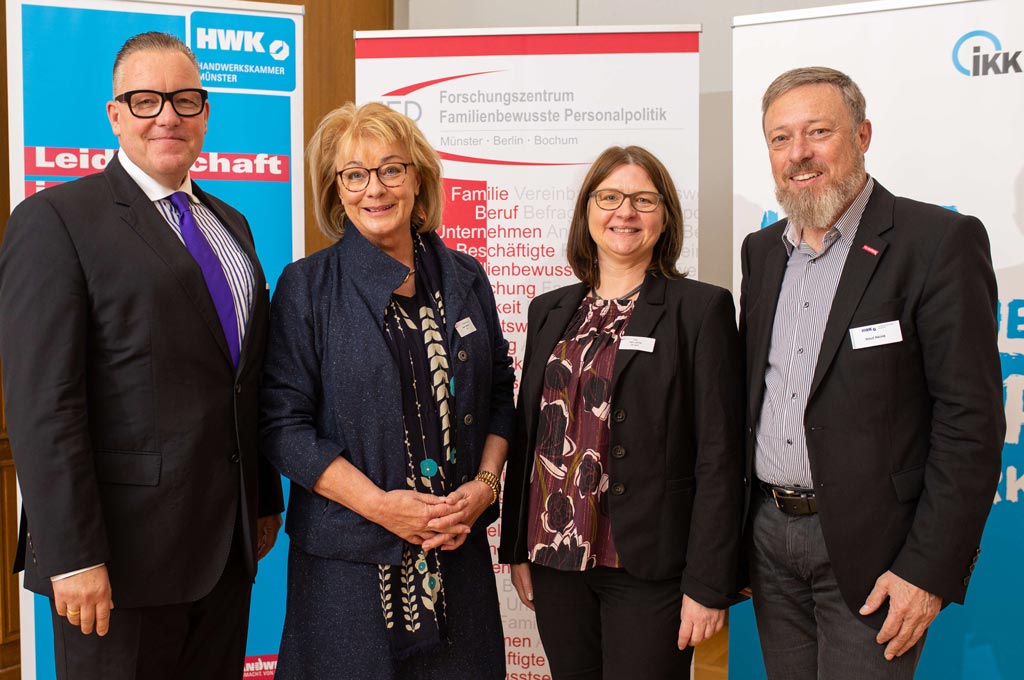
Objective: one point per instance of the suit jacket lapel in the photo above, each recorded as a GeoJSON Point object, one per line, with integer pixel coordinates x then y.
{"type": "Point", "coordinates": [456, 283]}
{"type": "Point", "coordinates": [761, 320]}
{"type": "Point", "coordinates": [144, 218]}
{"type": "Point", "coordinates": [857, 272]}
{"type": "Point", "coordinates": [243, 237]}
{"type": "Point", "coordinates": [649, 309]}
{"type": "Point", "coordinates": [549, 332]}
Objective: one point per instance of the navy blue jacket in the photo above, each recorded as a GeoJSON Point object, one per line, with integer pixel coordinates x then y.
{"type": "Point", "coordinates": [331, 387]}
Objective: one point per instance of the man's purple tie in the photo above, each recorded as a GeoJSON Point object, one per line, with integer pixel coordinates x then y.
{"type": "Point", "coordinates": [213, 272]}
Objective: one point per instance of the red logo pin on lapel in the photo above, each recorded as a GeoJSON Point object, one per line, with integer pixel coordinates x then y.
{"type": "Point", "coordinates": [868, 249]}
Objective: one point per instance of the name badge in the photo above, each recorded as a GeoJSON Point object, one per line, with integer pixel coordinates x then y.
{"type": "Point", "coordinates": [876, 334]}
{"type": "Point", "coordinates": [465, 327]}
{"type": "Point", "coordinates": [636, 342]}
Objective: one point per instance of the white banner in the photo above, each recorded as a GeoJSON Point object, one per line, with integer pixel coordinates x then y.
{"type": "Point", "coordinates": [518, 116]}
{"type": "Point", "coordinates": [945, 93]}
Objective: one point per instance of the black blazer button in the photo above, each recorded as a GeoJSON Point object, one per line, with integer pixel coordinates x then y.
{"type": "Point", "coordinates": [967, 580]}
{"type": "Point", "coordinates": [465, 478]}
{"type": "Point", "coordinates": [238, 389]}
{"type": "Point", "coordinates": [234, 457]}
{"type": "Point", "coordinates": [619, 415]}
{"type": "Point", "coordinates": [618, 488]}
{"type": "Point", "coordinates": [468, 419]}
{"type": "Point", "coordinates": [618, 451]}
{"type": "Point", "coordinates": [463, 355]}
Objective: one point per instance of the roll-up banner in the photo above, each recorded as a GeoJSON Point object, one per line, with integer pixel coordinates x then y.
{"type": "Point", "coordinates": [518, 116]}
{"type": "Point", "coordinates": [945, 93]}
{"type": "Point", "coordinates": [60, 55]}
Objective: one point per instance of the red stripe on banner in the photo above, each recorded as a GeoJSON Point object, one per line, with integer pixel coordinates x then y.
{"type": "Point", "coordinates": [494, 161]}
{"type": "Point", "coordinates": [49, 161]}
{"type": "Point", "coordinates": [260, 167]}
{"type": "Point", "coordinates": [561, 43]}
{"type": "Point", "coordinates": [466, 217]}
{"type": "Point", "coordinates": [35, 186]}
{"type": "Point", "coordinates": [260, 667]}
{"type": "Point", "coordinates": [427, 83]}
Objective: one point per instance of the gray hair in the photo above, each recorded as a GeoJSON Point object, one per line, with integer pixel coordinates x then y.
{"type": "Point", "coordinates": [814, 75]}
{"type": "Point", "coordinates": [153, 40]}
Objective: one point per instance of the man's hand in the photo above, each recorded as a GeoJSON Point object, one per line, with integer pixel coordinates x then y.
{"type": "Point", "coordinates": [698, 623]}
{"type": "Point", "coordinates": [911, 611]}
{"type": "Point", "coordinates": [85, 600]}
{"type": "Point", "coordinates": [266, 534]}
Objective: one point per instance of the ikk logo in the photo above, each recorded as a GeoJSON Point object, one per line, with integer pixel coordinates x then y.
{"type": "Point", "coordinates": [246, 52]}
{"type": "Point", "coordinates": [987, 57]}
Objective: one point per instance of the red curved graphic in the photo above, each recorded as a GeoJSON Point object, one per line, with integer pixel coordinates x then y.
{"type": "Point", "coordinates": [493, 161]}
{"type": "Point", "coordinates": [427, 83]}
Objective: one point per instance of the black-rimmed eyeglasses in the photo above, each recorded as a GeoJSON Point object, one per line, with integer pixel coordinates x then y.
{"type": "Point", "coordinates": [149, 103]}
{"type": "Point", "coordinates": [642, 201]}
{"type": "Point", "coordinates": [357, 178]}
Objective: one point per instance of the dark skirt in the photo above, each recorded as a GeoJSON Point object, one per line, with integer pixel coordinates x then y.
{"type": "Point", "coordinates": [334, 628]}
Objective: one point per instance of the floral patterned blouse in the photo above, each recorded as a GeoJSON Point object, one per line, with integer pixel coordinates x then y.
{"type": "Point", "coordinates": [569, 527]}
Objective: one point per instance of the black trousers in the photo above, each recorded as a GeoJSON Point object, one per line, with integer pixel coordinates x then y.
{"type": "Point", "coordinates": [202, 640]}
{"type": "Point", "coordinates": [603, 624]}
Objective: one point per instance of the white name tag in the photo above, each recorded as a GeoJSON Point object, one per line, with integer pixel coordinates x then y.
{"type": "Point", "coordinates": [636, 342]}
{"type": "Point", "coordinates": [876, 334]}
{"type": "Point", "coordinates": [465, 327]}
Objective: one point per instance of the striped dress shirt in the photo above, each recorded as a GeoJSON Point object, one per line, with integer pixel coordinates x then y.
{"type": "Point", "coordinates": [237, 267]}
{"type": "Point", "coordinates": [238, 270]}
{"type": "Point", "coordinates": [805, 300]}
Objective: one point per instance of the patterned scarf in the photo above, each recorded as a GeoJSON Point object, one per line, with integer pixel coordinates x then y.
{"type": "Point", "coordinates": [412, 593]}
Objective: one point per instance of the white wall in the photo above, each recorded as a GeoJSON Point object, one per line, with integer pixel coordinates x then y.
{"type": "Point", "coordinates": [715, 263]}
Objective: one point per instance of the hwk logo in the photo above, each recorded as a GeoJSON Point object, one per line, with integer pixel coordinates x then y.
{"type": "Point", "coordinates": [987, 56]}
{"type": "Point", "coordinates": [239, 41]}
{"type": "Point", "coordinates": [230, 40]}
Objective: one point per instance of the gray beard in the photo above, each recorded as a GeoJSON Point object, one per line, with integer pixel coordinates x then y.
{"type": "Point", "coordinates": [808, 211]}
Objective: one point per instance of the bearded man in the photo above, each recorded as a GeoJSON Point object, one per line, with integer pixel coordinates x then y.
{"type": "Point", "coordinates": [875, 419]}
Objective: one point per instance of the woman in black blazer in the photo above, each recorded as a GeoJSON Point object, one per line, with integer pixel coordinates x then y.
{"type": "Point", "coordinates": [624, 486]}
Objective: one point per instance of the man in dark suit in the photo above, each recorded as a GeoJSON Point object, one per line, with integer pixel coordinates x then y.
{"type": "Point", "coordinates": [875, 412]}
{"type": "Point", "coordinates": [132, 339]}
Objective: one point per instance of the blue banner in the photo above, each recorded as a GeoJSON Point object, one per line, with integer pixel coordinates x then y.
{"type": "Point", "coordinates": [250, 159]}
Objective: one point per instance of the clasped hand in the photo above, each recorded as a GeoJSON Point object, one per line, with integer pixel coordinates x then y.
{"type": "Point", "coordinates": [433, 521]}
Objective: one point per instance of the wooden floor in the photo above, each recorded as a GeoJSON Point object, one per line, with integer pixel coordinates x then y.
{"type": "Point", "coordinates": [711, 659]}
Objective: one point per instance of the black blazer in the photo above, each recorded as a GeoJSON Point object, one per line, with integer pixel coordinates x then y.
{"type": "Point", "coordinates": [675, 495]}
{"type": "Point", "coordinates": [134, 439]}
{"type": "Point", "coordinates": [904, 439]}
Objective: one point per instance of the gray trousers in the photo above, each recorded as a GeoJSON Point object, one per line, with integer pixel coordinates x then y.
{"type": "Point", "coordinates": [807, 632]}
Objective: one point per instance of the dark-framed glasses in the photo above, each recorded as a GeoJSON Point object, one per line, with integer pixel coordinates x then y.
{"type": "Point", "coordinates": [356, 178]}
{"type": "Point", "coordinates": [149, 103]}
{"type": "Point", "coordinates": [611, 199]}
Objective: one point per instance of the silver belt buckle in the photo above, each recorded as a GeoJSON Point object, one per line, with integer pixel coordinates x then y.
{"type": "Point", "coordinates": [775, 497]}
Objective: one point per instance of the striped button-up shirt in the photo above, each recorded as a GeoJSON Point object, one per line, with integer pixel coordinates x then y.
{"type": "Point", "coordinates": [237, 268]}
{"type": "Point", "coordinates": [805, 300]}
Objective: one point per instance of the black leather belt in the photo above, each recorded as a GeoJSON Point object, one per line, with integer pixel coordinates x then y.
{"type": "Point", "coordinates": [791, 501]}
